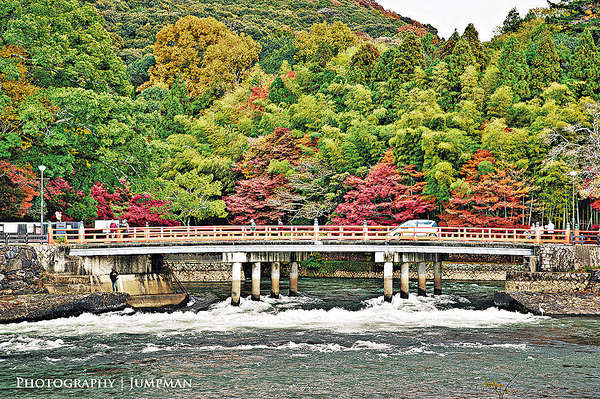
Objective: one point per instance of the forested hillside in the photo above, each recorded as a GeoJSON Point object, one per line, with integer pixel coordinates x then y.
{"type": "Point", "coordinates": [224, 111]}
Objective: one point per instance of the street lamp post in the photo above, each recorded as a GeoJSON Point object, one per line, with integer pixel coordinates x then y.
{"type": "Point", "coordinates": [42, 169]}
{"type": "Point", "coordinates": [573, 174]}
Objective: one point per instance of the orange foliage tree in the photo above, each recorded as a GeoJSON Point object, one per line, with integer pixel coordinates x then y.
{"type": "Point", "coordinates": [17, 190]}
{"type": "Point", "coordinates": [489, 196]}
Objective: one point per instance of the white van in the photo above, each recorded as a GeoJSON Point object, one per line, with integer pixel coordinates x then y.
{"type": "Point", "coordinates": [416, 228]}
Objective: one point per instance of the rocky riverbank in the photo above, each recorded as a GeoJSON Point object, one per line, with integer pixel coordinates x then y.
{"type": "Point", "coordinates": [35, 307]}
{"type": "Point", "coordinates": [549, 304]}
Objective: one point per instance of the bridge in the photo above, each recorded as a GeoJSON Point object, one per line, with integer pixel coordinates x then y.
{"type": "Point", "coordinates": [291, 244]}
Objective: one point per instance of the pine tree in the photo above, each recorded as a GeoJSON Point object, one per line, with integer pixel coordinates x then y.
{"type": "Point", "coordinates": [472, 37]}
{"type": "Point", "coordinates": [546, 64]}
{"type": "Point", "coordinates": [448, 47]}
{"type": "Point", "coordinates": [512, 21]}
{"type": "Point", "coordinates": [411, 56]}
{"type": "Point", "coordinates": [460, 59]}
{"type": "Point", "coordinates": [586, 64]}
{"type": "Point", "coordinates": [514, 71]}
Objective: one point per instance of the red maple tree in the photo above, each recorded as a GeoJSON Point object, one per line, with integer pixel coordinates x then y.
{"type": "Point", "coordinates": [111, 205]}
{"type": "Point", "coordinates": [17, 190]}
{"type": "Point", "coordinates": [144, 210]}
{"type": "Point", "coordinates": [387, 196]}
{"type": "Point", "coordinates": [139, 209]}
{"type": "Point", "coordinates": [252, 201]}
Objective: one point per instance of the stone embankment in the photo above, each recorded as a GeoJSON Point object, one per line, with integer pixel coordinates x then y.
{"type": "Point", "coordinates": [20, 271]}
{"type": "Point", "coordinates": [552, 293]}
{"type": "Point", "coordinates": [35, 307]}
{"type": "Point", "coordinates": [550, 303]}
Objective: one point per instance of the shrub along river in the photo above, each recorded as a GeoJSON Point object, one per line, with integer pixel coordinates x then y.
{"type": "Point", "coordinates": [337, 339]}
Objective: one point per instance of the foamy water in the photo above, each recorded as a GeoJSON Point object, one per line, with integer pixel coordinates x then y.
{"type": "Point", "coordinates": [338, 339]}
{"type": "Point", "coordinates": [376, 315]}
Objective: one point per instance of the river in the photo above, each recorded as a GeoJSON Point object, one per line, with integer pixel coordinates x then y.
{"type": "Point", "coordinates": [338, 339]}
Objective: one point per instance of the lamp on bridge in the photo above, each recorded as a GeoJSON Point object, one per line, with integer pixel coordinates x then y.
{"type": "Point", "coordinates": [42, 168]}
{"type": "Point", "coordinates": [573, 173]}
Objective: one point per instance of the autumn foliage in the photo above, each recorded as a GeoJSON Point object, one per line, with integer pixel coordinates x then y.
{"type": "Point", "coordinates": [252, 201]}
{"type": "Point", "coordinates": [17, 190]}
{"type": "Point", "coordinates": [387, 196]}
{"type": "Point", "coordinates": [489, 196]}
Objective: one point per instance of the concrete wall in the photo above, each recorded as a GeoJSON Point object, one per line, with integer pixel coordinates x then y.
{"type": "Point", "coordinates": [450, 271]}
{"type": "Point", "coordinates": [134, 284]}
{"type": "Point", "coordinates": [550, 282]}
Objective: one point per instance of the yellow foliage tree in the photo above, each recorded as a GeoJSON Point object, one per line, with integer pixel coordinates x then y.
{"type": "Point", "coordinates": [324, 41]}
{"type": "Point", "coordinates": [206, 54]}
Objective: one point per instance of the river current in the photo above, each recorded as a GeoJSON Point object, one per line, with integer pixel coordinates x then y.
{"type": "Point", "coordinates": [338, 339]}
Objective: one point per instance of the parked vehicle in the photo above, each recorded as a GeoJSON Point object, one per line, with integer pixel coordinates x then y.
{"type": "Point", "coordinates": [416, 228]}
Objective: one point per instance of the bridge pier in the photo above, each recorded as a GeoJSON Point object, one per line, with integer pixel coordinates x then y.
{"type": "Point", "coordinates": [275, 273]}
{"type": "Point", "coordinates": [236, 283]}
{"type": "Point", "coordinates": [422, 290]}
{"type": "Point", "coordinates": [256, 281]}
{"type": "Point", "coordinates": [404, 281]}
{"type": "Point", "coordinates": [388, 281]}
{"type": "Point", "coordinates": [437, 276]}
{"type": "Point", "coordinates": [294, 279]}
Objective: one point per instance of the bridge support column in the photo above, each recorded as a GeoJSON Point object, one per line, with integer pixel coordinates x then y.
{"type": "Point", "coordinates": [294, 279]}
{"type": "Point", "coordinates": [388, 281]}
{"type": "Point", "coordinates": [275, 272]}
{"type": "Point", "coordinates": [236, 283]}
{"type": "Point", "coordinates": [256, 281]}
{"type": "Point", "coordinates": [404, 281]}
{"type": "Point", "coordinates": [437, 276]}
{"type": "Point", "coordinates": [422, 290]}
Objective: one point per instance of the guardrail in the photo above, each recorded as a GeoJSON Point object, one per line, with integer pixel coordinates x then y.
{"type": "Point", "coordinates": [27, 238]}
{"type": "Point", "coordinates": [325, 233]}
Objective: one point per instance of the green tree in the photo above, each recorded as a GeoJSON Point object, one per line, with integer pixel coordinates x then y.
{"type": "Point", "coordinates": [546, 64]}
{"type": "Point", "coordinates": [472, 37]}
{"type": "Point", "coordinates": [586, 65]}
{"type": "Point", "coordinates": [512, 22]}
{"type": "Point", "coordinates": [66, 45]}
{"type": "Point", "coordinates": [362, 63]}
{"type": "Point", "coordinates": [279, 93]}
{"type": "Point", "coordinates": [514, 71]}
{"type": "Point", "coordinates": [461, 58]}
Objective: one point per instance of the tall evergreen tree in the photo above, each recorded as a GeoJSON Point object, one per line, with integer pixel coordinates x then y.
{"type": "Point", "coordinates": [363, 62]}
{"type": "Point", "coordinates": [460, 59]}
{"type": "Point", "coordinates": [512, 21]}
{"type": "Point", "coordinates": [398, 65]}
{"type": "Point", "coordinates": [546, 64]}
{"type": "Point", "coordinates": [472, 37]}
{"type": "Point", "coordinates": [411, 56]}
{"type": "Point", "coordinates": [447, 48]}
{"type": "Point", "coordinates": [514, 71]}
{"type": "Point", "coordinates": [586, 64]}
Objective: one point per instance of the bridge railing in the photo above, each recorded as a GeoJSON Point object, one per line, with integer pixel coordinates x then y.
{"type": "Point", "coordinates": [325, 233]}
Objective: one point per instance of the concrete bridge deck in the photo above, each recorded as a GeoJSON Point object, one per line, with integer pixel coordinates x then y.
{"type": "Point", "coordinates": [470, 248]}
